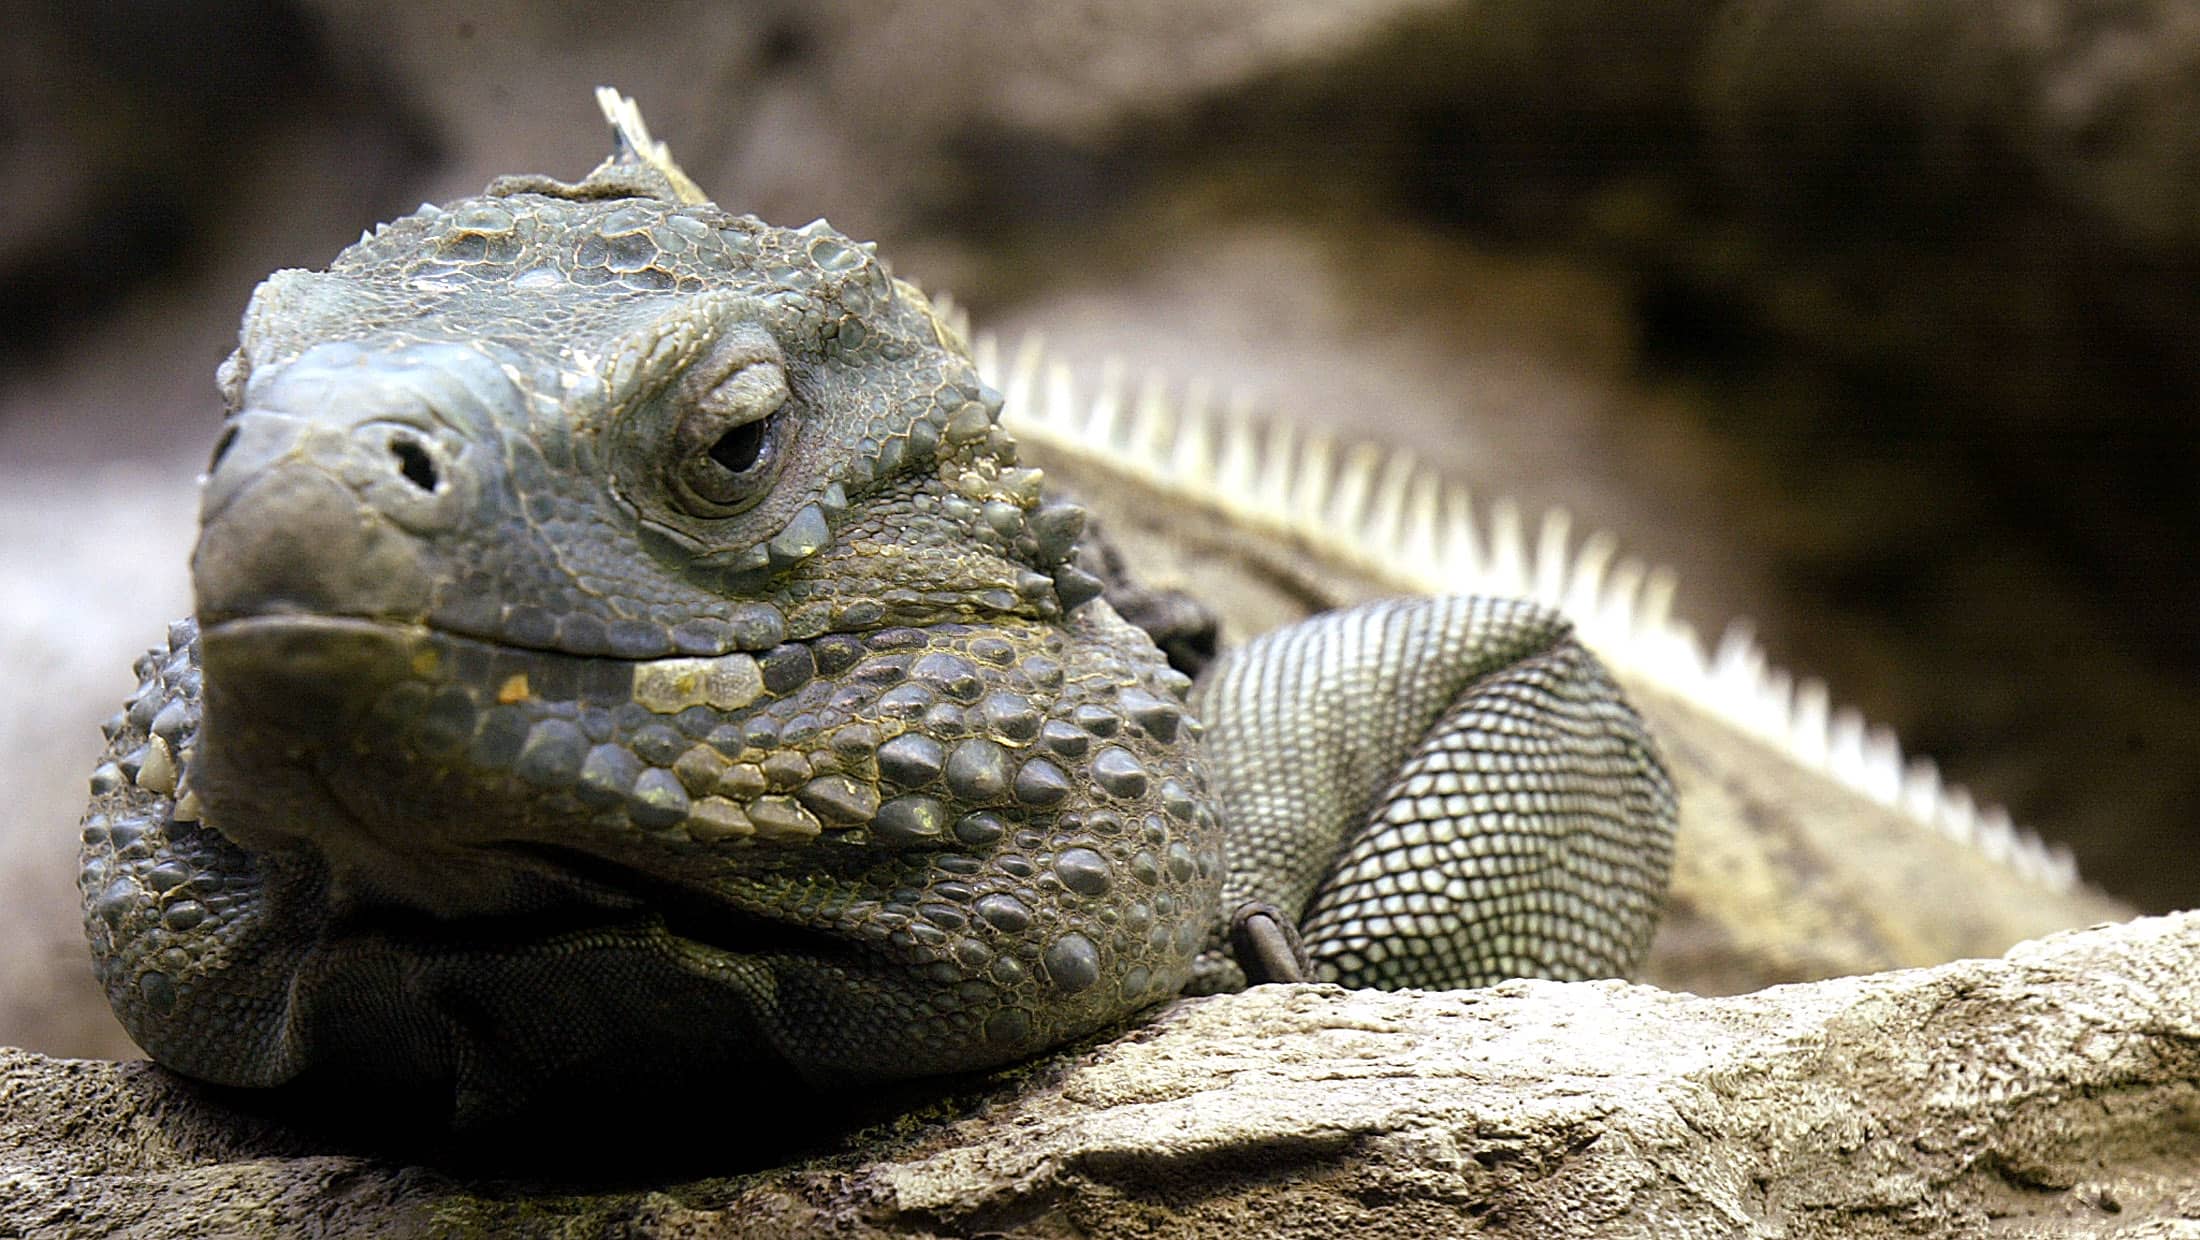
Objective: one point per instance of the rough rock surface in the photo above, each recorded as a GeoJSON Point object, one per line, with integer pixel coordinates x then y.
{"type": "Point", "coordinates": [2055, 1091]}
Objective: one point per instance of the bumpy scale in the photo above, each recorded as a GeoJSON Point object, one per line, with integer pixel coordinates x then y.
{"type": "Point", "coordinates": [625, 641]}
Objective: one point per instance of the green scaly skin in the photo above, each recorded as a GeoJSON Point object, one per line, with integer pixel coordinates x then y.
{"type": "Point", "coordinates": [626, 642]}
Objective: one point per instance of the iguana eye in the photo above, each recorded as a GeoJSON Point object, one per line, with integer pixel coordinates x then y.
{"type": "Point", "coordinates": [728, 444]}
{"type": "Point", "coordinates": [741, 448]}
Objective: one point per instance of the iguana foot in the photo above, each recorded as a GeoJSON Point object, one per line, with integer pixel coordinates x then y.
{"type": "Point", "coordinates": [1440, 792]}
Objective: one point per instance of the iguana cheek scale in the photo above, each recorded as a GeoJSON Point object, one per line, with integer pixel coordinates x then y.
{"type": "Point", "coordinates": [626, 640]}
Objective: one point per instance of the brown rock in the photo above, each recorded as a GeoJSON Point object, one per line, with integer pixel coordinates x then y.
{"type": "Point", "coordinates": [2050, 1092]}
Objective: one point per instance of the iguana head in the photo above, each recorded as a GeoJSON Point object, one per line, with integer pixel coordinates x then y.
{"type": "Point", "coordinates": [584, 553]}
{"type": "Point", "coordinates": [593, 428]}
{"type": "Point", "coordinates": [582, 420]}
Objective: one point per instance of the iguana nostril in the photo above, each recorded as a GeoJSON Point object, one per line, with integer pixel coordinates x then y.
{"type": "Point", "coordinates": [414, 462]}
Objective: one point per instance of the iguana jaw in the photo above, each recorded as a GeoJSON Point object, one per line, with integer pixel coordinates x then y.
{"type": "Point", "coordinates": [431, 743]}
{"type": "Point", "coordinates": [587, 905]}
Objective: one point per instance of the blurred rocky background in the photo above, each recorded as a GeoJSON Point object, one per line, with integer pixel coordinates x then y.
{"type": "Point", "coordinates": [1879, 322]}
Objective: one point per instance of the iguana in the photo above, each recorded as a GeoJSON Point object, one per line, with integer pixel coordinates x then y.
{"type": "Point", "coordinates": [628, 640]}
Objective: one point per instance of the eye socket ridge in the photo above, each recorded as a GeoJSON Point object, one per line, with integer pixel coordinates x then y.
{"type": "Point", "coordinates": [727, 442]}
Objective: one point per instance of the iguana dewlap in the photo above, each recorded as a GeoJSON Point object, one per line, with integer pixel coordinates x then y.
{"type": "Point", "coordinates": [626, 641]}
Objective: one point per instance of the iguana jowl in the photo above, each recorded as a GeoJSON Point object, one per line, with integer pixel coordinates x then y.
{"type": "Point", "coordinates": [626, 640]}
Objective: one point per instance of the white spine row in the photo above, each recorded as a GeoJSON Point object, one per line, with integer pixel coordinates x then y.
{"type": "Point", "coordinates": [1400, 522]}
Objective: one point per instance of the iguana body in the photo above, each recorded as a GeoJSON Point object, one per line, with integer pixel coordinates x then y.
{"type": "Point", "coordinates": [627, 643]}
{"type": "Point", "coordinates": [1808, 847]}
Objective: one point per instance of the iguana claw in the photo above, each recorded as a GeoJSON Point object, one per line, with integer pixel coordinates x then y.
{"type": "Point", "coordinates": [1266, 945]}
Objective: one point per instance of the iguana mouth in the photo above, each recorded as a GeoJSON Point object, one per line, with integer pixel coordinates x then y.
{"type": "Point", "coordinates": [322, 675]}
{"type": "Point", "coordinates": [305, 622]}
{"type": "Point", "coordinates": [300, 624]}
{"type": "Point", "coordinates": [371, 653]}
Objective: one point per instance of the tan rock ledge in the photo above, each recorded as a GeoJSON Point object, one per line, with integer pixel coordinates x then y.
{"type": "Point", "coordinates": [2055, 1091]}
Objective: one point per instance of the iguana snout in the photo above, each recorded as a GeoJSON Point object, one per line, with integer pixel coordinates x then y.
{"type": "Point", "coordinates": [330, 488]}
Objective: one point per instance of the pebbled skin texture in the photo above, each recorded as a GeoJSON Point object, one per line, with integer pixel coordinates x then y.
{"type": "Point", "coordinates": [625, 642]}
{"type": "Point", "coordinates": [1443, 792]}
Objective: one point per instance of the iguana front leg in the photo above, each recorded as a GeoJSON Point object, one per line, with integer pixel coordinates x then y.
{"type": "Point", "coordinates": [1443, 792]}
